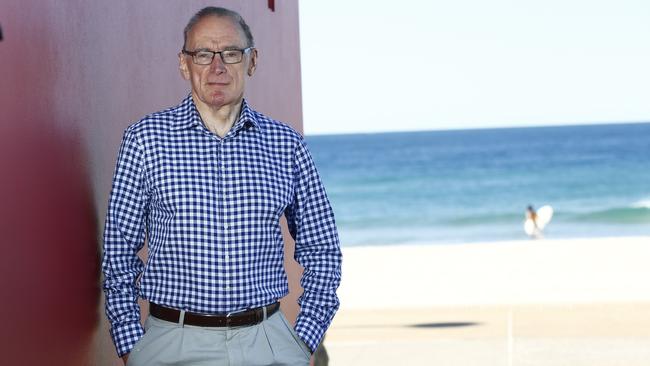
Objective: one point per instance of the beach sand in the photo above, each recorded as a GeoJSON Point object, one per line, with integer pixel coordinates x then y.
{"type": "Point", "coordinates": [547, 302]}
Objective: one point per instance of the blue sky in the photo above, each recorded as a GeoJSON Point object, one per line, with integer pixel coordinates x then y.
{"type": "Point", "coordinates": [372, 66]}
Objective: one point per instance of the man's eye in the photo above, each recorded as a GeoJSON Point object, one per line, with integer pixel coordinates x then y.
{"type": "Point", "coordinates": [204, 55]}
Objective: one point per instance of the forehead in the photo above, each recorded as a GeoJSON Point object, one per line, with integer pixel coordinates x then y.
{"type": "Point", "coordinates": [216, 32]}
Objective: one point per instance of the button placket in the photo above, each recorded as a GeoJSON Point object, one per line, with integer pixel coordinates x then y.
{"type": "Point", "coordinates": [226, 227]}
{"type": "Point", "coordinates": [222, 242]}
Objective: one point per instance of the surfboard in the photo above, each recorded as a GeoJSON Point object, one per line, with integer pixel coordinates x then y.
{"type": "Point", "coordinates": [544, 216]}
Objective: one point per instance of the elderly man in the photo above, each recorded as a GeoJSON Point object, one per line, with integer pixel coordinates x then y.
{"type": "Point", "coordinates": [206, 183]}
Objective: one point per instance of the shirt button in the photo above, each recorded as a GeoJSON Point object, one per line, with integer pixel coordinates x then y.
{"type": "Point", "coordinates": [225, 226]}
{"type": "Point", "coordinates": [226, 257]}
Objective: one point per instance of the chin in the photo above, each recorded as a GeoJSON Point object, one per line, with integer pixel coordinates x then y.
{"type": "Point", "coordinates": [218, 101]}
{"type": "Point", "coordinates": [215, 100]}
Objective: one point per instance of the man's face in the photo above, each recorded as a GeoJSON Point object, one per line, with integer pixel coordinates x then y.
{"type": "Point", "coordinates": [218, 84]}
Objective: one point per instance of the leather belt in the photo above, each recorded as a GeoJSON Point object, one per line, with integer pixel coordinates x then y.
{"type": "Point", "coordinates": [237, 319]}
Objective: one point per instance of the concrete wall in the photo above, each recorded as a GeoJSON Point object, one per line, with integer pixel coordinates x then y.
{"type": "Point", "coordinates": [73, 75]}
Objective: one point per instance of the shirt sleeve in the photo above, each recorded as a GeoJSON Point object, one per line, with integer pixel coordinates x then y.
{"type": "Point", "coordinates": [124, 234]}
{"type": "Point", "coordinates": [311, 223]}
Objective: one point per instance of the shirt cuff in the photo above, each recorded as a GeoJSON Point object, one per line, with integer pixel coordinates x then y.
{"type": "Point", "coordinates": [310, 330]}
{"type": "Point", "coordinates": [125, 336]}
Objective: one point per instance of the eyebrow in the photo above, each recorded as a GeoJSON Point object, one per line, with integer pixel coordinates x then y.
{"type": "Point", "coordinates": [227, 48]}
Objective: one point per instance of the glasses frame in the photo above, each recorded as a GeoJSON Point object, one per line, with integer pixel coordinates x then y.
{"type": "Point", "coordinates": [220, 53]}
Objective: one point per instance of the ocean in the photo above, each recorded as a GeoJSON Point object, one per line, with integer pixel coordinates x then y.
{"type": "Point", "coordinates": [466, 186]}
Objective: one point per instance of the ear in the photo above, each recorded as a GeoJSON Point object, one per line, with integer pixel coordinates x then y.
{"type": "Point", "coordinates": [183, 67]}
{"type": "Point", "coordinates": [253, 64]}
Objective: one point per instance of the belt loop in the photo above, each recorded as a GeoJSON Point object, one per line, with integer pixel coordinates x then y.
{"type": "Point", "coordinates": [181, 319]}
{"type": "Point", "coordinates": [264, 312]}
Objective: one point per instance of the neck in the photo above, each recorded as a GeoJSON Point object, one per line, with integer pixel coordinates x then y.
{"type": "Point", "coordinates": [219, 120]}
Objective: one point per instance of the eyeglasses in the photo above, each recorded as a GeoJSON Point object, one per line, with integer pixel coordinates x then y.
{"type": "Point", "coordinates": [205, 57]}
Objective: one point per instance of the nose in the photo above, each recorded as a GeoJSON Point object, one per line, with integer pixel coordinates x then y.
{"type": "Point", "coordinates": [217, 66]}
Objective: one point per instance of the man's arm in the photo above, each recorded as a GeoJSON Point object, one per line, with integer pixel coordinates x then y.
{"type": "Point", "coordinates": [311, 224]}
{"type": "Point", "coordinates": [124, 234]}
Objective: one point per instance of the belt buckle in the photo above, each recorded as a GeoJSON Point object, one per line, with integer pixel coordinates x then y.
{"type": "Point", "coordinates": [229, 316]}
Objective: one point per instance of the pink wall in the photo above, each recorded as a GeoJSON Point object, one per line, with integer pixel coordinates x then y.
{"type": "Point", "coordinates": [73, 75]}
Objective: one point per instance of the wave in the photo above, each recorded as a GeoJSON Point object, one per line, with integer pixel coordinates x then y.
{"type": "Point", "coordinates": [644, 203]}
{"type": "Point", "coordinates": [636, 214]}
{"type": "Point", "coordinates": [483, 219]}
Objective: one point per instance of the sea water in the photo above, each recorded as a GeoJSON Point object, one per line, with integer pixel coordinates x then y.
{"type": "Point", "coordinates": [474, 185]}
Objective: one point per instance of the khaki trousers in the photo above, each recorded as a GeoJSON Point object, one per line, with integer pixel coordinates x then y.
{"type": "Point", "coordinates": [271, 342]}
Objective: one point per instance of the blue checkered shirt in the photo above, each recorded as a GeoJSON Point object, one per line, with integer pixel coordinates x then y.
{"type": "Point", "coordinates": [210, 209]}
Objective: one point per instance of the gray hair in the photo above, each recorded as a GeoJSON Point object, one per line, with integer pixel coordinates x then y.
{"type": "Point", "coordinates": [219, 12]}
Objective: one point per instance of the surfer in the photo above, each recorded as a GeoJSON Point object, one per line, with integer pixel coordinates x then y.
{"type": "Point", "coordinates": [532, 216]}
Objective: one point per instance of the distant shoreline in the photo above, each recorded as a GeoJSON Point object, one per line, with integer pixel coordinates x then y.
{"type": "Point", "coordinates": [507, 127]}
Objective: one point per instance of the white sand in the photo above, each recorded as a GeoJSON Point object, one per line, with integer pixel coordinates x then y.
{"type": "Point", "coordinates": [516, 272]}
{"type": "Point", "coordinates": [572, 302]}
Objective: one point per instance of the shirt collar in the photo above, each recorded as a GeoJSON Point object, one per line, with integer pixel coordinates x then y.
{"type": "Point", "coordinates": [246, 118]}
{"type": "Point", "coordinates": [188, 116]}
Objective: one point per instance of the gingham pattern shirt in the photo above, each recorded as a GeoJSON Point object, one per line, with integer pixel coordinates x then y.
{"type": "Point", "coordinates": [210, 209]}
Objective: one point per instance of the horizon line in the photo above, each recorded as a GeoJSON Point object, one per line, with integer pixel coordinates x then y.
{"type": "Point", "coordinates": [504, 127]}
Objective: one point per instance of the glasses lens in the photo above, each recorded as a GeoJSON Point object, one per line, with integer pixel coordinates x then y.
{"type": "Point", "coordinates": [203, 58]}
{"type": "Point", "coordinates": [231, 56]}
